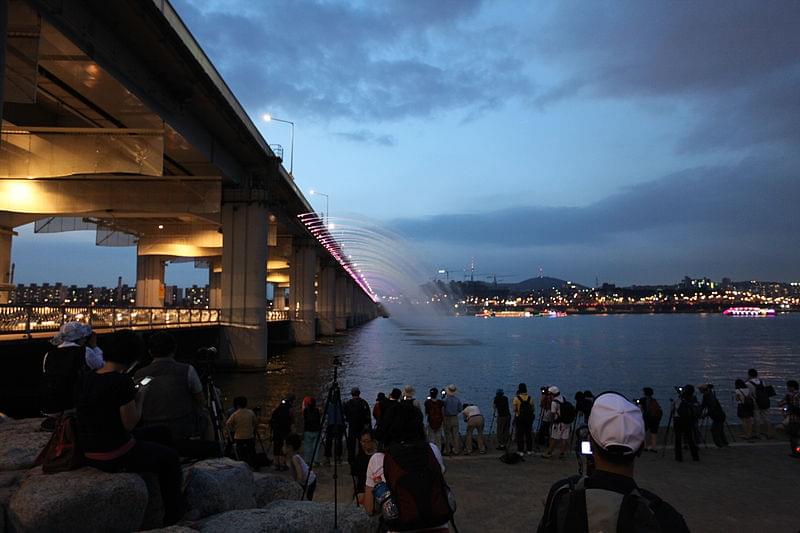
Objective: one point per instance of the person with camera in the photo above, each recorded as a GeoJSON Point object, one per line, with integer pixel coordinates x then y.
{"type": "Point", "coordinates": [761, 394]}
{"type": "Point", "coordinates": [791, 407]}
{"type": "Point", "coordinates": [434, 413]}
{"type": "Point", "coordinates": [560, 427]}
{"type": "Point", "coordinates": [609, 499]}
{"type": "Point", "coordinates": [685, 416]}
{"type": "Point", "coordinates": [503, 414]}
{"type": "Point", "coordinates": [745, 408]}
{"type": "Point", "coordinates": [452, 408]}
{"type": "Point", "coordinates": [652, 414]}
{"type": "Point", "coordinates": [175, 395]}
{"type": "Point", "coordinates": [358, 417]}
{"type": "Point", "coordinates": [280, 424]}
{"type": "Point", "coordinates": [546, 418]}
{"type": "Point", "coordinates": [109, 408]}
{"type": "Point", "coordinates": [711, 408]}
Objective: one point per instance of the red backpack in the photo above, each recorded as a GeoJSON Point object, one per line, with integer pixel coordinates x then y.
{"type": "Point", "coordinates": [418, 488]}
{"type": "Point", "coordinates": [435, 414]}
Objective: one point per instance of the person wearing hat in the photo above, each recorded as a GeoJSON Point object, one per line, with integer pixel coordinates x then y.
{"type": "Point", "coordinates": [559, 432]}
{"type": "Point", "coordinates": [75, 350]}
{"type": "Point", "coordinates": [503, 415]}
{"type": "Point", "coordinates": [452, 408]}
{"type": "Point", "coordinates": [358, 417]}
{"type": "Point", "coordinates": [609, 499]}
{"type": "Point", "coordinates": [408, 397]}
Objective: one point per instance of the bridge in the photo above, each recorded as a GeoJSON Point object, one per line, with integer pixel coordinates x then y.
{"type": "Point", "coordinates": [114, 120]}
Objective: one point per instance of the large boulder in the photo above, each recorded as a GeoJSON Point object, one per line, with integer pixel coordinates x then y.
{"type": "Point", "coordinates": [82, 500]}
{"type": "Point", "coordinates": [272, 487]}
{"type": "Point", "coordinates": [218, 485]}
{"type": "Point", "coordinates": [290, 517]}
{"type": "Point", "coordinates": [20, 443]}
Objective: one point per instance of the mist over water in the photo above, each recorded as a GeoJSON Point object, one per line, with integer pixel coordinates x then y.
{"type": "Point", "coordinates": [615, 352]}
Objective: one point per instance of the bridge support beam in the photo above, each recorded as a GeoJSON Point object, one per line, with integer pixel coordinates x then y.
{"type": "Point", "coordinates": [6, 235]}
{"type": "Point", "coordinates": [326, 300]}
{"type": "Point", "coordinates": [243, 306]}
{"type": "Point", "coordinates": [302, 297]}
{"type": "Point", "coordinates": [279, 298]}
{"type": "Point", "coordinates": [149, 281]}
{"type": "Point", "coordinates": [214, 287]}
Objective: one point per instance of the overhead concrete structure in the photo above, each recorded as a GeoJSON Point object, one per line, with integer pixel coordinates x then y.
{"type": "Point", "coordinates": [114, 120]}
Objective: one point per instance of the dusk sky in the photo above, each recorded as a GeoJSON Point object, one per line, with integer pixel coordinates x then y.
{"type": "Point", "coordinates": [635, 142]}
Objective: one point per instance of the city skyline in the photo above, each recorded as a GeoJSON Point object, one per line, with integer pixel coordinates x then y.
{"type": "Point", "coordinates": [631, 142]}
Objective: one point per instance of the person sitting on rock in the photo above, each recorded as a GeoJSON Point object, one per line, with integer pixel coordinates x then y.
{"type": "Point", "coordinates": [109, 407]}
{"type": "Point", "coordinates": [358, 469]}
{"type": "Point", "coordinates": [300, 471]}
{"type": "Point", "coordinates": [75, 351]}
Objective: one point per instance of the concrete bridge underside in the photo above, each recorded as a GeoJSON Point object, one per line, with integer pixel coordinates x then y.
{"type": "Point", "coordinates": [129, 130]}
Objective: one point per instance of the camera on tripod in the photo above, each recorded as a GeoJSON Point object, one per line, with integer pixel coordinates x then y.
{"type": "Point", "coordinates": [679, 389]}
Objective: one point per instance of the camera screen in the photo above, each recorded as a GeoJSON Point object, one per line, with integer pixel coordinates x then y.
{"type": "Point", "coordinates": [586, 447]}
{"type": "Point", "coordinates": [144, 381]}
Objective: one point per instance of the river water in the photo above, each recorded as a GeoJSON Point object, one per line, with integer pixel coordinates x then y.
{"type": "Point", "coordinates": [479, 355]}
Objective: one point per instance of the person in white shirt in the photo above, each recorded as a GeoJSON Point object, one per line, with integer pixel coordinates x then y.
{"type": "Point", "coordinates": [761, 414]}
{"type": "Point", "coordinates": [474, 419]}
{"type": "Point", "coordinates": [559, 432]}
{"type": "Point", "coordinates": [299, 468]}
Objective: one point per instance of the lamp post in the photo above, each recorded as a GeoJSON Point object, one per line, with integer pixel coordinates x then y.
{"type": "Point", "coordinates": [327, 198]}
{"type": "Point", "coordinates": [269, 118]}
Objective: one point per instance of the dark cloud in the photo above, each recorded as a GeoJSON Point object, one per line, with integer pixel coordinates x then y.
{"type": "Point", "coordinates": [737, 63]}
{"type": "Point", "coordinates": [754, 202]}
{"type": "Point", "coordinates": [367, 137]}
{"type": "Point", "coordinates": [376, 61]}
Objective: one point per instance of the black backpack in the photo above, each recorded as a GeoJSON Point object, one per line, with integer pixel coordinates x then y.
{"type": "Point", "coordinates": [567, 413]}
{"type": "Point", "coordinates": [418, 488]}
{"type": "Point", "coordinates": [762, 395]}
{"type": "Point", "coordinates": [525, 409]}
{"type": "Point", "coordinates": [635, 514]}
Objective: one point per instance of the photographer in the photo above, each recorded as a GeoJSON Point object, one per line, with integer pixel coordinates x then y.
{"type": "Point", "coordinates": [609, 499]}
{"type": "Point", "coordinates": [711, 408]}
{"type": "Point", "coordinates": [685, 416]}
{"type": "Point", "coordinates": [652, 414]}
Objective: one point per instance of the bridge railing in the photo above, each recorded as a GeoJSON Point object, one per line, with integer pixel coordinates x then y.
{"type": "Point", "coordinates": [39, 320]}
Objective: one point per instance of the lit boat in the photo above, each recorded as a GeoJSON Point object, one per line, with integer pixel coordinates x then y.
{"type": "Point", "coordinates": [748, 311]}
{"type": "Point", "coordinates": [553, 314]}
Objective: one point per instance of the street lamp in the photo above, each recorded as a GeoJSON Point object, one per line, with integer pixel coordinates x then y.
{"type": "Point", "coordinates": [327, 198]}
{"type": "Point", "coordinates": [269, 118]}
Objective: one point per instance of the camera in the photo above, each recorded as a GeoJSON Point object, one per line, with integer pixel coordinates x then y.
{"type": "Point", "coordinates": [444, 393]}
{"type": "Point", "coordinates": [544, 388]}
{"type": "Point", "coordinates": [144, 381]}
{"type": "Point", "coordinates": [638, 401]}
{"type": "Point", "coordinates": [679, 389]}
{"type": "Point", "coordinates": [586, 447]}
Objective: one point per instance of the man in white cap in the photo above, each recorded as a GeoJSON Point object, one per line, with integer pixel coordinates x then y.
{"type": "Point", "coordinates": [559, 431]}
{"type": "Point", "coordinates": [609, 499]}
{"type": "Point", "coordinates": [452, 408]}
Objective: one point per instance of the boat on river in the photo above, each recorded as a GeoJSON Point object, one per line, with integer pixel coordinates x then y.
{"type": "Point", "coordinates": [748, 311]}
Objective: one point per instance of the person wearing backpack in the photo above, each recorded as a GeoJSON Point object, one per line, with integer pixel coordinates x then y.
{"type": "Point", "coordinates": [685, 420]}
{"type": "Point", "coordinates": [609, 499]}
{"type": "Point", "coordinates": [405, 484]}
{"type": "Point", "coordinates": [745, 408]}
{"type": "Point", "coordinates": [523, 421]}
{"type": "Point", "coordinates": [563, 414]}
{"type": "Point", "coordinates": [761, 394]}
{"type": "Point", "coordinates": [652, 414]}
{"type": "Point", "coordinates": [434, 411]}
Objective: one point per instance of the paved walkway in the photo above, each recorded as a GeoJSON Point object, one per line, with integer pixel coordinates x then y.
{"type": "Point", "coordinates": [748, 487]}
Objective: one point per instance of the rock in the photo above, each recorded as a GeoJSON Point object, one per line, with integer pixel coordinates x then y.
{"type": "Point", "coordinates": [218, 485]}
{"type": "Point", "coordinates": [80, 500]}
{"type": "Point", "coordinates": [271, 487]}
{"type": "Point", "coordinates": [20, 443]}
{"type": "Point", "coordinates": [11, 478]}
{"type": "Point", "coordinates": [290, 517]}
{"type": "Point", "coordinates": [5, 499]}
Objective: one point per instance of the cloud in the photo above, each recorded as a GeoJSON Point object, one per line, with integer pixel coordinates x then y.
{"type": "Point", "coordinates": [367, 137]}
{"type": "Point", "coordinates": [753, 202]}
{"type": "Point", "coordinates": [376, 61]}
{"type": "Point", "coordinates": [736, 64]}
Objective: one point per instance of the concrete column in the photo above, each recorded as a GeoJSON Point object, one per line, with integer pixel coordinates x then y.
{"type": "Point", "coordinates": [348, 302]}
{"type": "Point", "coordinates": [279, 301]}
{"type": "Point", "coordinates": [326, 300]}
{"type": "Point", "coordinates": [6, 235]}
{"type": "Point", "coordinates": [3, 37]}
{"type": "Point", "coordinates": [302, 300]}
{"type": "Point", "coordinates": [214, 286]}
{"type": "Point", "coordinates": [149, 281]}
{"type": "Point", "coordinates": [244, 278]}
{"type": "Point", "coordinates": [341, 302]}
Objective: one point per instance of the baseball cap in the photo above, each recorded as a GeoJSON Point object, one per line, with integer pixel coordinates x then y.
{"type": "Point", "coordinates": [614, 421]}
{"type": "Point", "coordinates": [553, 390]}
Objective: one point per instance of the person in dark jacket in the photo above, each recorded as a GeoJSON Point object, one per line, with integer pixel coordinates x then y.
{"type": "Point", "coordinates": [74, 352]}
{"type": "Point", "coordinates": [312, 425]}
{"type": "Point", "coordinates": [685, 421]}
{"type": "Point", "coordinates": [358, 418]}
{"type": "Point", "coordinates": [711, 408]}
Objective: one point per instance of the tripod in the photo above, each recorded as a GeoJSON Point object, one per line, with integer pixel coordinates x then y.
{"type": "Point", "coordinates": [334, 398]}
{"type": "Point", "coordinates": [216, 413]}
{"type": "Point", "coordinates": [669, 423]}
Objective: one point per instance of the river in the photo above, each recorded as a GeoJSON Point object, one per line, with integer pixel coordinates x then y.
{"type": "Point", "coordinates": [479, 355]}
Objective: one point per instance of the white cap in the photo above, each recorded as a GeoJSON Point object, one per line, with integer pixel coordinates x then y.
{"type": "Point", "coordinates": [614, 421]}
{"type": "Point", "coordinates": [553, 390]}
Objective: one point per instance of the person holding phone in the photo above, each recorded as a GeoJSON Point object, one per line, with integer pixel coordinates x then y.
{"type": "Point", "coordinates": [109, 407]}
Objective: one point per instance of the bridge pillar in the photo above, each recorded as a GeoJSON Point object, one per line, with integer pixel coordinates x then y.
{"type": "Point", "coordinates": [340, 302]}
{"type": "Point", "coordinates": [302, 297]}
{"type": "Point", "coordinates": [149, 281]}
{"type": "Point", "coordinates": [6, 235]}
{"type": "Point", "coordinates": [243, 309]}
{"type": "Point", "coordinates": [348, 302]}
{"type": "Point", "coordinates": [279, 298]}
{"type": "Point", "coordinates": [326, 300]}
{"type": "Point", "coordinates": [214, 286]}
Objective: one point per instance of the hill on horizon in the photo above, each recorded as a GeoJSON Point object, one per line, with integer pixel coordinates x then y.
{"type": "Point", "coordinates": [539, 283]}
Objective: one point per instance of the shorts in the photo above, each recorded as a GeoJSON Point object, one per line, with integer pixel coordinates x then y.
{"type": "Point", "coordinates": [277, 443]}
{"type": "Point", "coordinates": [651, 426]}
{"type": "Point", "coordinates": [559, 431]}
